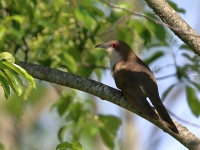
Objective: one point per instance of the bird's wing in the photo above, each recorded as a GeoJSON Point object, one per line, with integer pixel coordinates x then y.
{"type": "Point", "coordinates": [133, 93]}
{"type": "Point", "coordinates": [137, 98]}
{"type": "Point", "coordinates": [147, 83]}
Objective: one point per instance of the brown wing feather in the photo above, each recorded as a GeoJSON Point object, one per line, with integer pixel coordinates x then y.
{"type": "Point", "coordinates": [133, 93]}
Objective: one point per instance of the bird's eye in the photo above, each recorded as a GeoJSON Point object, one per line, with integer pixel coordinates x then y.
{"type": "Point", "coordinates": [114, 45]}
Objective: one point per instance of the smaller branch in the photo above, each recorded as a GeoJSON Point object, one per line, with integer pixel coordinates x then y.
{"type": "Point", "coordinates": [167, 76]}
{"type": "Point", "coordinates": [180, 119]}
{"type": "Point", "coordinates": [150, 19]}
{"type": "Point", "coordinates": [92, 66]}
{"type": "Point", "coordinates": [114, 26]}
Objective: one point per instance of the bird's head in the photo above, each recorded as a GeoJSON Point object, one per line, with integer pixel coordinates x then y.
{"type": "Point", "coordinates": [113, 46]}
{"type": "Point", "coordinates": [117, 50]}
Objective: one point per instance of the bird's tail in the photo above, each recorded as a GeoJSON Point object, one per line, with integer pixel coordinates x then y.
{"type": "Point", "coordinates": [160, 108]}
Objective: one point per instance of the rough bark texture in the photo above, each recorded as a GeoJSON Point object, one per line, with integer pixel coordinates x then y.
{"type": "Point", "coordinates": [106, 93]}
{"type": "Point", "coordinates": [168, 15]}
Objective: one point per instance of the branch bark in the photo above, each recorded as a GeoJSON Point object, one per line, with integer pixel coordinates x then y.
{"type": "Point", "coordinates": [168, 15]}
{"type": "Point", "coordinates": [106, 93]}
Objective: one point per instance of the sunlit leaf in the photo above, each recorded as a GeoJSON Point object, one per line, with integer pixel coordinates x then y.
{"type": "Point", "coordinates": [18, 18]}
{"type": "Point", "coordinates": [65, 145]}
{"type": "Point", "coordinates": [70, 62]}
{"type": "Point", "coordinates": [119, 12]}
{"type": "Point", "coordinates": [14, 81]}
{"type": "Point", "coordinates": [7, 56]}
{"type": "Point", "coordinates": [20, 71]}
{"type": "Point", "coordinates": [82, 14]}
{"type": "Point", "coordinates": [4, 84]}
{"type": "Point", "coordinates": [2, 33]}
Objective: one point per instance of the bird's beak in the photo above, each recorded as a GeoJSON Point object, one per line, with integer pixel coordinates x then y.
{"type": "Point", "coordinates": [102, 45]}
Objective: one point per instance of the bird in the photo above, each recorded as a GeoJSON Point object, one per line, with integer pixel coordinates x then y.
{"type": "Point", "coordinates": [136, 81]}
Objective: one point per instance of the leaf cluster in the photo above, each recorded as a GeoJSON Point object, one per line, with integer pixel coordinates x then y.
{"type": "Point", "coordinates": [81, 121]}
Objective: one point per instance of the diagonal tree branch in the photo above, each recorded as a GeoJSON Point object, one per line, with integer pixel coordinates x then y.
{"type": "Point", "coordinates": [106, 93]}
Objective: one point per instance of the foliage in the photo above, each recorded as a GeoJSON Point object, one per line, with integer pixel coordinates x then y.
{"type": "Point", "coordinates": [9, 75]}
{"type": "Point", "coordinates": [80, 119]}
{"type": "Point", "coordinates": [62, 34]}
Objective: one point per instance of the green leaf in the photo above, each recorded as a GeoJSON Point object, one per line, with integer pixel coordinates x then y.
{"type": "Point", "coordinates": [7, 56]}
{"type": "Point", "coordinates": [34, 2]}
{"type": "Point", "coordinates": [110, 122]}
{"type": "Point", "coordinates": [124, 34]}
{"type": "Point", "coordinates": [158, 31]}
{"type": "Point", "coordinates": [94, 11]}
{"type": "Point", "coordinates": [14, 81]}
{"type": "Point", "coordinates": [65, 145]}
{"type": "Point", "coordinates": [18, 18]}
{"type": "Point", "coordinates": [85, 72]}
{"type": "Point", "coordinates": [185, 47]}
{"type": "Point", "coordinates": [120, 13]}
{"type": "Point", "coordinates": [76, 111]}
{"type": "Point", "coordinates": [4, 84]}
{"type": "Point", "coordinates": [20, 71]}
{"type": "Point", "coordinates": [82, 15]}
{"type": "Point", "coordinates": [187, 56]}
{"type": "Point", "coordinates": [193, 101]}
{"type": "Point", "coordinates": [63, 130]}
{"type": "Point", "coordinates": [70, 62]}
{"type": "Point", "coordinates": [146, 36]}
{"type": "Point", "coordinates": [63, 104]}
{"type": "Point", "coordinates": [109, 129]}
{"type": "Point", "coordinates": [153, 57]}
{"type": "Point", "coordinates": [175, 7]}
{"type": "Point", "coordinates": [2, 33]}
{"type": "Point", "coordinates": [2, 146]}
{"type": "Point", "coordinates": [166, 92]}
{"type": "Point", "coordinates": [98, 73]}
{"type": "Point", "coordinates": [107, 139]}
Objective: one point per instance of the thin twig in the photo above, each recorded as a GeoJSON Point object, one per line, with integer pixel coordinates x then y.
{"type": "Point", "coordinates": [167, 76]}
{"type": "Point", "coordinates": [92, 66]}
{"type": "Point", "coordinates": [150, 18]}
{"type": "Point", "coordinates": [114, 26]}
{"type": "Point", "coordinates": [180, 119]}
{"type": "Point", "coordinates": [26, 50]}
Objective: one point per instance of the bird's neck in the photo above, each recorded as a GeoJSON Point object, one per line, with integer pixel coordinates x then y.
{"type": "Point", "coordinates": [116, 57]}
{"type": "Point", "coordinates": [128, 55]}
